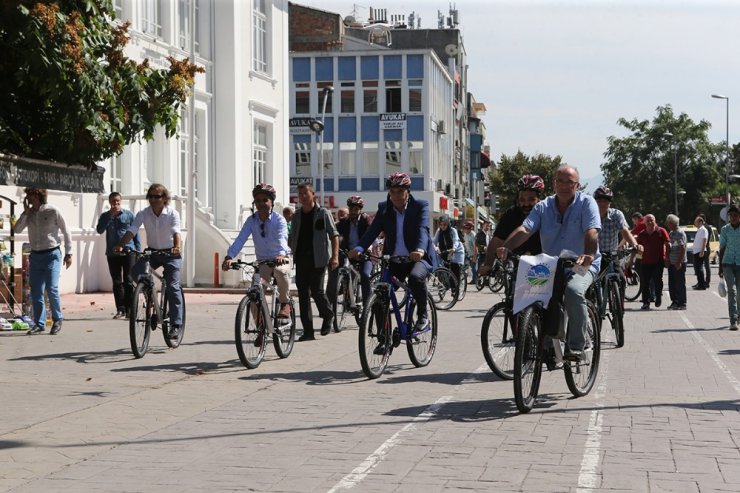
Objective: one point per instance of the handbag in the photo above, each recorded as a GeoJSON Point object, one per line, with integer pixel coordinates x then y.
{"type": "Point", "coordinates": [722, 288]}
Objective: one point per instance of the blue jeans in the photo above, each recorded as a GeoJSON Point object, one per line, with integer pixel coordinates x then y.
{"type": "Point", "coordinates": [44, 269]}
{"type": "Point", "coordinates": [575, 304]}
{"type": "Point", "coordinates": [172, 266]}
{"type": "Point", "coordinates": [732, 279]}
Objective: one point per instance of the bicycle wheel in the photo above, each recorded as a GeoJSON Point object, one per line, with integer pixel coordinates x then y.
{"type": "Point", "coordinates": [497, 338]}
{"type": "Point", "coordinates": [173, 343]}
{"type": "Point", "coordinates": [376, 278]}
{"type": "Point", "coordinates": [481, 282]}
{"type": "Point", "coordinates": [250, 331]}
{"type": "Point", "coordinates": [375, 337]}
{"type": "Point", "coordinates": [340, 304]}
{"type": "Point", "coordinates": [581, 376]}
{"type": "Point", "coordinates": [442, 286]}
{"type": "Point", "coordinates": [283, 336]}
{"type": "Point", "coordinates": [527, 360]}
{"type": "Point", "coordinates": [632, 285]}
{"type": "Point", "coordinates": [140, 320]}
{"type": "Point", "coordinates": [496, 280]}
{"type": "Point", "coordinates": [462, 285]}
{"type": "Point", "coordinates": [359, 303]}
{"type": "Point", "coordinates": [616, 315]}
{"type": "Point", "coordinates": [421, 345]}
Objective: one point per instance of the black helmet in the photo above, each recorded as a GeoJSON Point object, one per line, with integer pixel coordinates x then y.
{"type": "Point", "coordinates": [603, 193]}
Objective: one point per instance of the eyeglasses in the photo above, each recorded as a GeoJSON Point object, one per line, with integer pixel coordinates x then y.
{"type": "Point", "coordinates": [262, 229]}
{"type": "Point", "coordinates": [569, 183]}
{"type": "Point", "coordinates": [150, 197]}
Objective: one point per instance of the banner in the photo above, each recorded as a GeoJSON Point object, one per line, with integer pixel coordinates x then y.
{"type": "Point", "coordinates": [534, 280]}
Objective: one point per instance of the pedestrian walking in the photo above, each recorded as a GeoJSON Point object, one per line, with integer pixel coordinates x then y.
{"type": "Point", "coordinates": [676, 263]}
{"type": "Point", "coordinates": [44, 222]}
{"type": "Point", "coordinates": [311, 235]}
{"type": "Point", "coordinates": [699, 250]}
{"type": "Point", "coordinates": [729, 261]}
{"type": "Point", "coordinates": [114, 223]}
{"type": "Point", "coordinates": [654, 241]}
{"type": "Point", "coordinates": [708, 253]}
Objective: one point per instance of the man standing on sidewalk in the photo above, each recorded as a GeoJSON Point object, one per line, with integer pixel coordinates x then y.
{"type": "Point", "coordinates": [114, 223]}
{"type": "Point", "coordinates": [699, 248]}
{"type": "Point", "coordinates": [676, 263]}
{"type": "Point", "coordinates": [654, 241]}
{"type": "Point", "coordinates": [729, 261]}
{"type": "Point", "coordinates": [311, 233]}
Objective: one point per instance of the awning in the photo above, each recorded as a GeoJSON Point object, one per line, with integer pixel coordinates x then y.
{"type": "Point", "coordinates": [485, 161]}
{"type": "Point", "coordinates": [482, 214]}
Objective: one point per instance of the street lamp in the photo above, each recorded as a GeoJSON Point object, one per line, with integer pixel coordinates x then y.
{"type": "Point", "coordinates": [318, 127]}
{"type": "Point", "coordinates": [675, 172]}
{"type": "Point", "coordinates": [727, 141]}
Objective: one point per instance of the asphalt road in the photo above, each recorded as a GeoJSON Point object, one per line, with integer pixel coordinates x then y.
{"type": "Point", "coordinates": [79, 413]}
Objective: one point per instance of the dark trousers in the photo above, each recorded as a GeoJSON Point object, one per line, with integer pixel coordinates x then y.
{"type": "Point", "coordinates": [677, 284]}
{"type": "Point", "coordinates": [119, 267]}
{"type": "Point", "coordinates": [651, 280]}
{"type": "Point", "coordinates": [707, 269]}
{"type": "Point", "coordinates": [415, 274]}
{"type": "Point", "coordinates": [699, 270]}
{"type": "Point", "coordinates": [309, 281]}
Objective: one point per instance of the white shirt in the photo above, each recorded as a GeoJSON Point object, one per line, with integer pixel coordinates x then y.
{"type": "Point", "coordinates": [44, 226]}
{"type": "Point", "coordinates": [701, 235]}
{"type": "Point", "coordinates": [160, 230]}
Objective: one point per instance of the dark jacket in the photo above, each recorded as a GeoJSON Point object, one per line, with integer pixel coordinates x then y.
{"type": "Point", "coordinates": [415, 229]}
{"type": "Point", "coordinates": [363, 222]}
{"type": "Point", "coordinates": [324, 230]}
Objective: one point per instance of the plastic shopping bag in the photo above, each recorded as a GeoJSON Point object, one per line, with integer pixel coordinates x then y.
{"type": "Point", "coordinates": [722, 288]}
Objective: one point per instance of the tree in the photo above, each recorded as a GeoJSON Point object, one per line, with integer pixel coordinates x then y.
{"type": "Point", "coordinates": [504, 177]}
{"type": "Point", "coordinates": [69, 93]}
{"type": "Point", "coordinates": [640, 167]}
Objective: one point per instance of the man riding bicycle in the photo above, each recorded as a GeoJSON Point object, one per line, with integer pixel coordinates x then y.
{"type": "Point", "coordinates": [351, 229]}
{"type": "Point", "coordinates": [405, 222]}
{"type": "Point", "coordinates": [269, 232]}
{"type": "Point", "coordinates": [568, 220]}
{"type": "Point", "coordinates": [530, 189]}
{"type": "Point", "coordinates": [612, 224]}
{"type": "Point", "coordinates": [449, 246]}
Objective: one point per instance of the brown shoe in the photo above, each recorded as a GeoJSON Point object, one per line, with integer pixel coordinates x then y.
{"type": "Point", "coordinates": [284, 311]}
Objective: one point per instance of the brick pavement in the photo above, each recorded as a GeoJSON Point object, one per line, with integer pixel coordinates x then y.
{"type": "Point", "coordinates": [81, 414]}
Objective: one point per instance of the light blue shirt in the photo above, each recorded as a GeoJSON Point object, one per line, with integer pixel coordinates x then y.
{"type": "Point", "coordinates": [400, 249]}
{"type": "Point", "coordinates": [273, 243]}
{"type": "Point", "coordinates": [729, 239]}
{"type": "Point", "coordinates": [458, 256]}
{"type": "Point", "coordinates": [566, 232]}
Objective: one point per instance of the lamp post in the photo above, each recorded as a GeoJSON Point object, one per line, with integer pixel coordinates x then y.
{"type": "Point", "coordinates": [327, 90]}
{"type": "Point", "coordinates": [727, 142]}
{"type": "Point", "coordinates": [675, 171]}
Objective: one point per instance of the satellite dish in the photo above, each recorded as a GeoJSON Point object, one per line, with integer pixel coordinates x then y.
{"type": "Point", "coordinates": [349, 20]}
{"type": "Point", "coordinates": [452, 49]}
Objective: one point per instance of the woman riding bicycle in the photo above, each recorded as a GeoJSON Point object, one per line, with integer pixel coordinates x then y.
{"type": "Point", "coordinates": [269, 232]}
{"type": "Point", "coordinates": [448, 243]}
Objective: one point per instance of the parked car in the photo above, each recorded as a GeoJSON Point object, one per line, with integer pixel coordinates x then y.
{"type": "Point", "coordinates": [690, 231]}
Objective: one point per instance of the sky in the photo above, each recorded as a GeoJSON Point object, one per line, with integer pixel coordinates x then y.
{"type": "Point", "coordinates": [555, 76]}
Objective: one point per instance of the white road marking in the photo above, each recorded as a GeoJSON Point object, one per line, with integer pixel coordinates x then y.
{"type": "Point", "coordinates": [712, 354]}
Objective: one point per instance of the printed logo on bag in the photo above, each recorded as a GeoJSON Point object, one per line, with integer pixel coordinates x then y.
{"type": "Point", "coordinates": [538, 275]}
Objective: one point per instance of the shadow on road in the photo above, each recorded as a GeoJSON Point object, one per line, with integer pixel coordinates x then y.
{"type": "Point", "coordinates": [114, 356]}
{"type": "Point", "coordinates": [194, 368]}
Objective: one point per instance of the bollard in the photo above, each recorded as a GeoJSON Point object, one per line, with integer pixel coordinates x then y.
{"type": "Point", "coordinates": [215, 270]}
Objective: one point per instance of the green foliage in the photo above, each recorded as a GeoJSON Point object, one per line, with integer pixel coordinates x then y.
{"type": "Point", "coordinates": [69, 92]}
{"type": "Point", "coordinates": [640, 167]}
{"type": "Point", "coordinates": [503, 178]}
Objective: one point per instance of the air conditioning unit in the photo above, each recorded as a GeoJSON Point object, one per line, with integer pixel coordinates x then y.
{"type": "Point", "coordinates": [448, 189]}
{"type": "Point", "coordinates": [440, 185]}
{"type": "Point", "coordinates": [441, 127]}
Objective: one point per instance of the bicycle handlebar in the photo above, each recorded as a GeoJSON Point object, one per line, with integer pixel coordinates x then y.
{"type": "Point", "coordinates": [239, 264]}
{"type": "Point", "coordinates": [147, 252]}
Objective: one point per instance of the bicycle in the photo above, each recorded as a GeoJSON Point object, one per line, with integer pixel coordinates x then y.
{"type": "Point", "coordinates": [500, 325]}
{"type": "Point", "coordinates": [347, 295]}
{"type": "Point", "coordinates": [609, 289]}
{"type": "Point", "coordinates": [539, 341]}
{"type": "Point", "coordinates": [257, 318]}
{"type": "Point", "coordinates": [149, 309]}
{"type": "Point", "coordinates": [377, 337]}
{"type": "Point", "coordinates": [443, 288]}
{"type": "Point", "coordinates": [495, 278]}
{"type": "Point", "coordinates": [633, 289]}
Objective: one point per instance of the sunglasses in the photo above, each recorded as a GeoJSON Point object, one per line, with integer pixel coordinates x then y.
{"type": "Point", "coordinates": [150, 197]}
{"type": "Point", "coordinates": [262, 229]}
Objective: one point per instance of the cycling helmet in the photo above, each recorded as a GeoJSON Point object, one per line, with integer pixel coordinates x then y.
{"type": "Point", "coordinates": [266, 189]}
{"type": "Point", "coordinates": [398, 180]}
{"type": "Point", "coordinates": [355, 201]}
{"type": "Point", "coordinates": [603, 193]}
{"type": "Point", "coordinates": [531, 182]}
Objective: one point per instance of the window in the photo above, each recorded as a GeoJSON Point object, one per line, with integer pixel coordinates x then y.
{"type": "Point", "coordinates": [302, 99]}
{"type": "Point", "coordinates": [115, 174]}
{"type": "Point", "coordinates": [259, 28]}
{"type": "Point", "coordinates": [302, 158]}
{"type": "Point", "coordinates": [393, 96]}
{"type": "Point", "coordinates": [415, 95]}
{"type": "Point", "coordinates": [348, 97]}
{"type": "Point", "coordinates": [416, 157]}
{"type": "Point", "coordinates": [392, 157]}
{"type": "Point", "coordinates": [370, 159]}
{"type": "Point", "coordinates": [151, 13]}
{"type": "Point", "coordinates": [259, 153]}
{"type": "Point", "coordinates": [184, 154]}
{"type": "Point", "coordinates": [348, 157]}
{"type": "Point", "coordinates": [118, 10]}
{"type": "Point", "coordinates": [187, 24]}
{"type": "Point", "coordinates": [328, 159]}
{"type": "Point", "coordinates": [370, 96]}
{"type": "Point", "coordinates": [320, 93]}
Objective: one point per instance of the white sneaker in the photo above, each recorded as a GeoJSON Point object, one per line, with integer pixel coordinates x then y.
{"type": "Point", "coordinates": [733, 326]}
{"type": "Point", "coordinates": [421, 324]}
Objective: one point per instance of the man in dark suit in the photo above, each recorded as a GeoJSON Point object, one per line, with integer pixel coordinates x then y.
{"type": "Point", "coordinates": [405, 222]}
{"type": "Point", "coordinates": [351, 229]}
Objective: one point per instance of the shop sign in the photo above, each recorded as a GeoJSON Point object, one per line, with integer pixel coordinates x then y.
{"type": "Point", "coordinates": [300, 126]}
{"type": "Point", "coordinates": [392, 121]}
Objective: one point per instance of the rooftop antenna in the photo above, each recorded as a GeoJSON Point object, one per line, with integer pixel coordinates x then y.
{"type": "Point", "coordinates": [440, 20]}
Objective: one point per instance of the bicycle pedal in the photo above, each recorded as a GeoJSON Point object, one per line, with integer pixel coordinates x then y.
{"type": "Point", "coordinates": [396, 337]}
